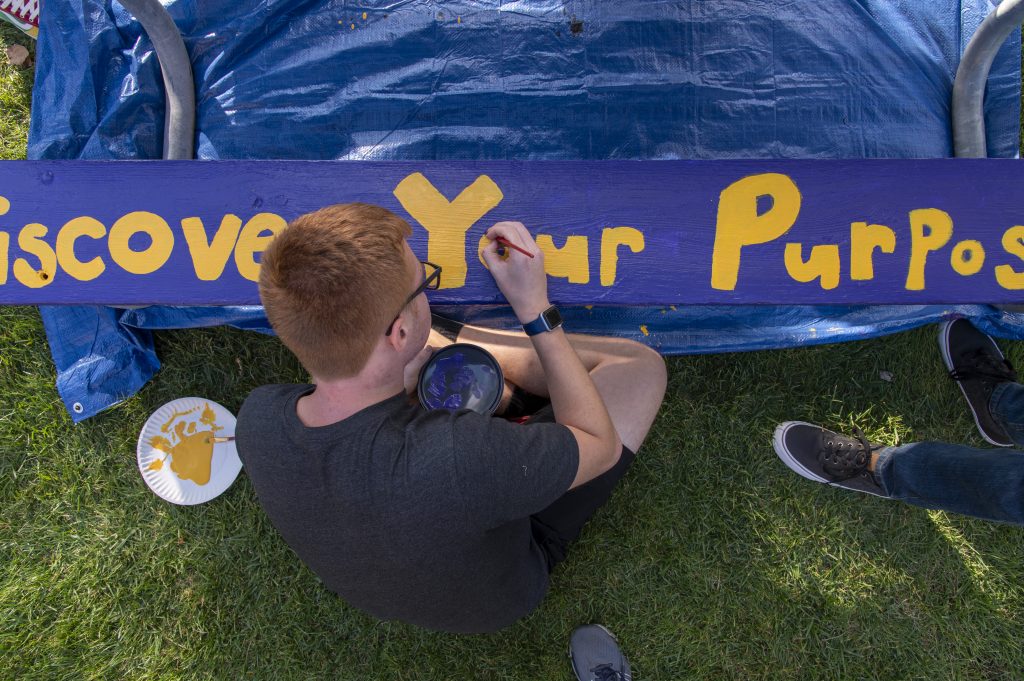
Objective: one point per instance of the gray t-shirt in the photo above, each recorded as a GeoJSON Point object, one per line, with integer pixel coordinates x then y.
{"type": "Point", "coordinates": [410, 515]}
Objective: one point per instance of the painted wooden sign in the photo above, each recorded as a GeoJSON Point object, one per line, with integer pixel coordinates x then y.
{"type": "Point", "coordinates": [613, 232]}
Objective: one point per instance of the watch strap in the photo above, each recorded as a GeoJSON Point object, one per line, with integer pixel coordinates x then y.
{"type": "Point", "coordinates": [540, 324]}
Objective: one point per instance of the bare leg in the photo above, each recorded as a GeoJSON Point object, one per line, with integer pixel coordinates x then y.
{"type": "Point", "coordinates": [629, 376]}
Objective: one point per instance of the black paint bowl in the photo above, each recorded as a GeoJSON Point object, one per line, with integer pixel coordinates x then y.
{"type": "Point", "coordinates": [461, 376]}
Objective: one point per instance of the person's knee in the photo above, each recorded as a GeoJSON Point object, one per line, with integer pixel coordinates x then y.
{"type": "Point", "coordinates": [651, 368]}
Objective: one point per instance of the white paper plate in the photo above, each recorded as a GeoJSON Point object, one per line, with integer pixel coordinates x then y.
{"type": "Point", "coordinates": [176, 457]}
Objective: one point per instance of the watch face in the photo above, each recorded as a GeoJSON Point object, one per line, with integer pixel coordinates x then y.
{"type": "Point", "coordinates": [552, 317]}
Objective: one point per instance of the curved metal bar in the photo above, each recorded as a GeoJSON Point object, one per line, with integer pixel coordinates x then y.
{"type": "Point", "coordinates": [972, 74]}
{"type": "Point", "coordinates": [180, 89]}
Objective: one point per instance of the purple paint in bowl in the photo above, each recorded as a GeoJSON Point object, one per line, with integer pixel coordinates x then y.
{"type": "Point", "coordinates": [461, 376]}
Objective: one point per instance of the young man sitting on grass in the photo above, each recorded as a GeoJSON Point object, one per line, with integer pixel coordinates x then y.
{"type": "Point", "coordinates": [448, 520]}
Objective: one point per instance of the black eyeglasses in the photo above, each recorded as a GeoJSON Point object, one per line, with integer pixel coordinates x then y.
{"type": "Point", "coordinates": [431, 282]}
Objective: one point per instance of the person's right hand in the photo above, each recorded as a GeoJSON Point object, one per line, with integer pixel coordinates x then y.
{"type": "Point", "coordinates": [521, 278]}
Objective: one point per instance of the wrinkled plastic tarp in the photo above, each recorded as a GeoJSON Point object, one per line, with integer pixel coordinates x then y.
{"type": "Point", "coordinates": [524, 80]}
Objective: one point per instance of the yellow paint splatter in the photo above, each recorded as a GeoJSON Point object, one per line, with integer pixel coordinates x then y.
{"type": "Point", "coordinates": [589, 307]}
{"type": "Point", "coordinates": [167, 426]}
{"type": "Point", "coordinates": [364, 16]}
{"type": "Point", "coordinates": [353, 27]}
{"type": "Point", "coordinates": [192, 457]}
{"type": "Point", "coordinates": [209, 417]}
{"type": "Point", "coordinates": [672, 307]}
{"type": "Point", "coordinates": [340, 22]}
{"type": "Point", "coordinates": [643, 328]}
{"type": "Point", "coordinates": [189, 448]}
{"type": "Point", "coordinates": [459, 20]}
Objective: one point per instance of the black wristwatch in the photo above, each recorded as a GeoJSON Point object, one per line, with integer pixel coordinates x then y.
{"type": "Point", "coordinates": [549, 320]}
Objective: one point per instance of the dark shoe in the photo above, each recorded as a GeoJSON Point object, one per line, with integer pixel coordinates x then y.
{"type": "Point", "coordinates": [449, 328]}
{"type": "Point", "coordinates": [596, 656]}
{"type": "Point", "coordinates": [975, 363]}
{"type": "Point", "coordinates": [522, 404]}
{"type": "Point", "coordinates": [824, 456]}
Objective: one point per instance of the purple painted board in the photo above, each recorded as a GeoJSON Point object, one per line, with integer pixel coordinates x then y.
{"type": "Point", "coordinates": [614, 232]}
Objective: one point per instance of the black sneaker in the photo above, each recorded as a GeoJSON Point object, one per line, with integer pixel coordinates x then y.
{"type": "Point", "coordinates": [975, 363]}
{"type": "Point", "coordinates": [824, 456]}
{"type": "Point", "coordinates": [596, 656]}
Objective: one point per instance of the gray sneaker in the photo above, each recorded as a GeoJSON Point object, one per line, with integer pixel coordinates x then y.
{"type": "Point", "coordinates": [977, 366]}
{"type": "Point", "coordinates": [825, 456]}
{"type": "Point", "coordinates": [596, 656]}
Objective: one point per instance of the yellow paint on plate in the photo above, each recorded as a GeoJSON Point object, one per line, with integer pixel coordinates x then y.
{"type": "Point", "coordinates": [189, 448]}
{"type": "Point", "coordinates": [192, 456]}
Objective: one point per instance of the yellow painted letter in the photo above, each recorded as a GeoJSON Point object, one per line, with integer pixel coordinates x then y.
{"type": "Point", "coordinates": [5, 242]}
{"type": "Point", "coordinates": [209, 256]}
{"type": "Point", "coordinates": [967, 257]}
{"type": "Point", "coordinates": [571, 261]}
{"type": "Point", "coordinates": [739, 223]}
{"type": "Point", "coordinates": [864, 239]}
{"type": "Point", "coordinates": [5, 246]}
{"type": "Point", "coordinates": [823, 263]}
{"type": "Point", "coordinates": [66, 237]}
{"type": "Point", "coordinates": [252, 240]}
{"type": "Point", "coordinates": [154, 256]}
{"type": "Point", "coordinates": [1013, 243]}
{"type": "Point", "coordinates": [930, 229]}
{"type": "Point", "coordinates": [611, 239]}
{"type": "Point", "coordinates": [447, 222]}
{"type": "Point", "coordinates": [31, 241]}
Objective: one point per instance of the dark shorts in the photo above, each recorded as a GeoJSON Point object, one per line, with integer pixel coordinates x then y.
{"type": "Point", "coordinates": [560, 524]}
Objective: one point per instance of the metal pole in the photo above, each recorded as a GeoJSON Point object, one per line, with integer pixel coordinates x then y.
{"type": "Point", "coordinates": [972, 74]}
{"type": "Point", "coordinates": [176, 68]}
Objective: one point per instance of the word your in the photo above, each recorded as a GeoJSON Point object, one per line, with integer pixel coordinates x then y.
{"type": "Point", "coordinates": [447, 223]}
{"type": "Point", "coordinates": [740, 225]}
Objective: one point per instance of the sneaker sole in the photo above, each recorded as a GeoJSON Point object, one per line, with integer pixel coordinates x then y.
{"type": "Point", "coordinates": [778, 441]}
{"type": "Point", "coordinates": [948, 361]}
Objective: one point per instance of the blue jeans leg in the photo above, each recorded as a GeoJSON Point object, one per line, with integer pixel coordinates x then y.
{"type": "Point", "coordinates": [984, 483]}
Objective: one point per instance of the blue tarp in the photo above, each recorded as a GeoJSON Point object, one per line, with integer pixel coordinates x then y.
{"type": "Point", "coordinates": [412, 79]}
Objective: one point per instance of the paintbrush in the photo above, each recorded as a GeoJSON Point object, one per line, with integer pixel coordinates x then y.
{"type": "Point", "coordinates": [505, 242]}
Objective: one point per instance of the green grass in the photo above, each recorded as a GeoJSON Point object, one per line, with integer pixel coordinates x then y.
{"type": "Point", "coordinates": [712, 561]}
{"type": "Point", "coordinates": [15, 96]}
